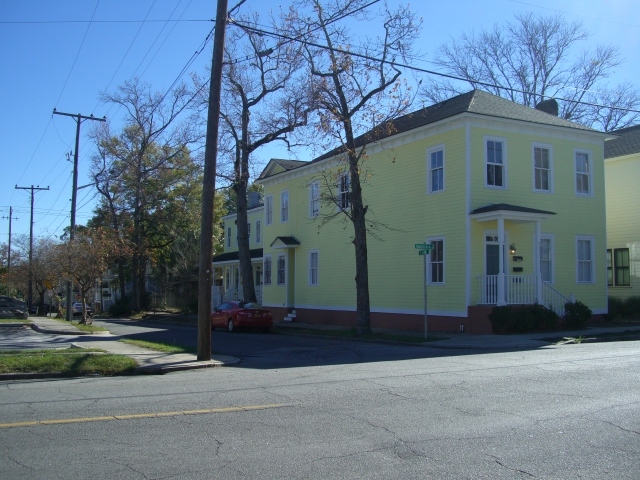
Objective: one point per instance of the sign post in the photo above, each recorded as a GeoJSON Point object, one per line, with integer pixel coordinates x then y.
{"type": "Point", "coordinates": [424, 249]}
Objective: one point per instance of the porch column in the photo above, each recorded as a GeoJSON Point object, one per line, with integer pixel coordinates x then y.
{"type": "Point", "coordinates": [536, 264]}
{"type": "Point", "coordinates": [501, 296]}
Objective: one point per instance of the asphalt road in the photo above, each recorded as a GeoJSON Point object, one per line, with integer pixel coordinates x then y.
{"type": "Point", "coordinates": [557, 412]}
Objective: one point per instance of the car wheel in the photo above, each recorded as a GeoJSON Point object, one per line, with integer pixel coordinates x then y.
{"type": "Point", "coordinates": [231, 326]}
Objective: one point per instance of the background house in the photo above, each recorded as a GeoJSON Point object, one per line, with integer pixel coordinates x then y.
{"type": "Point", "coordinates": [622, 180]}
{"type": "Point", "coordinates": [511, 199]}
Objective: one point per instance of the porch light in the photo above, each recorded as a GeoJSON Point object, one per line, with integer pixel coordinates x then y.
{"type": "Point", "coordinates": [512, 249]}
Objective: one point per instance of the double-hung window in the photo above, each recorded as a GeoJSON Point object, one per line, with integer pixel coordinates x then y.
{"type": "Point", "coordinates": [435, 273]}
{"type": "Point", "coordinates": [284, 206]}
{"type": "Point", "coordinates": [269, 209]}
{"type": "Point", "coordinates": [583, 173]}
{"type": "Point", "coordinates": [267, 270]}
{"type": "Point", "coordinates": [542, 179]}
{"type": "Point", "coordinates": [249, 233]}
{"type": "Point", "coordinates": [314, 199]}
{"type": "Point", "coordinates": [618, 267]}
{"type": "Point", "coordinates": [258, 232]}
{"type": "Point", "coordinates": [229, 237]}
{"type": "Point", "coordinates": [343, 192]}
{"type": "Point", "coordinates": [546, 258]}
{"type": "Point", "coordinates": [313, 267]}
{"type": "Point", "coordinates": [436, 169]}
{"type": "Point", "coordinates": [280, 280]}
{"type": "Point", "coordinates": [496, 163]}
{"type": "Point", "coordinates": [584, 259]}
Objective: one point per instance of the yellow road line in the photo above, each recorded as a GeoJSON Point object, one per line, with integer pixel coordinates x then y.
{"type": "Point", "coordinates": [143, 415]}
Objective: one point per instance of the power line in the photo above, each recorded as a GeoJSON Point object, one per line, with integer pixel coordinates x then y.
{"type": "Point", "coordinates": [421, 70]}
{"type": "Point", "coordinates": [37, 22]}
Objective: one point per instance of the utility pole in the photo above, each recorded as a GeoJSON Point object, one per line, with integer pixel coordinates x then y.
{"type": "Point", "coordinates": [208, 187]}
{"type": "Point", "coordinates": [10, 217]}
{"type": "Point", "coordinates": [74, 193]}
{"type": "Point", "coordinates": [32, 188]}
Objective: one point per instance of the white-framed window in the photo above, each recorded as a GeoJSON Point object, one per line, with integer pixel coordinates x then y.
{"type": "Point", "coordinates": [584, 177]}
{"type": "Point", "coordinates": [585, 263]}
{"type": "Point", "coordinates": [314, 199]}
{"type": "Point", "coordinates": [258, 232]}
{"type": "Point", "coordinates": [281, 272]}
{"type": "Point", "coordinates": [496, 162]}
{"type": "Point", "coordinates": [249, 233]}
{"type": "Point", "coordinates": [268, 204]}
{"type": "Point", "coordinates": [546, 258]}
{"type": "Point", "coordinates": [542, 168]}
{"type": "Point", "coordinates": [344, 184]}
{"type": "Point", "coordinates": [229, 237]}
{"type": "Point", "coordinates": [284, 206]}
{"type": "Point", "coordinates": [435, 260]}
{"type": "Point", "coordinates": [435, 166]}
{"type": "Point", "coordinates": [313, 267]}
{"type": "Point", "coordinates": [267, 270]}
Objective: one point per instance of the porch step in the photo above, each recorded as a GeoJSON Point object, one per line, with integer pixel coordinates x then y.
{"type": "Point", "coordinates": [291, 316]}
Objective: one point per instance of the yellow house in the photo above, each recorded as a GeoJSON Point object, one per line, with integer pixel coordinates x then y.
{"type": "Point", "coordinates": [622, 180]}
{"type": "Point", "coordinates": [510, 200]}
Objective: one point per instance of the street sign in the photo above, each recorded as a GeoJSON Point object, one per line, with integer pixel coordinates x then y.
{"type": "Point", "coordinates": [426, 247]}
{"type": "Point", "coordinates": [420, 246]}
{"type": "Point", "coordinates": [424, 252]}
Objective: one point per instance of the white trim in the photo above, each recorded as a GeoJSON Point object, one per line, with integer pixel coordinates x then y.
{"type": "Point", "coordinates": [268, 202]}
{"type": "Point", "coordinates": [591, 239]}
{"type": "Point", "coordinates": [431, 151]}
{"type": "Point", "coordinates": [505, 183]}
{"type": "Point", "coordinates": [444, 263]}
{"type": "Point", "coordinates": [471, 120]}
{"type": "Point", "coordinates": [552, 254]}
{"type": "Point", "coordinates": [589, 154]}
{"type": "Point", "coordinates": [548, 147]}
{"type": "Point", "coordinates": [315, 184]}
{"type": "Point", "coordinates": [284, 194]}
{"type": "Point", "coordinates": [468, 217]}
{"type": "Point", "coordinates": [309, 276]}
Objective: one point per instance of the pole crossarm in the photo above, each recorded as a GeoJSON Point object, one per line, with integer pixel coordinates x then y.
{"type": "Point", "coordinates": [78, 118]}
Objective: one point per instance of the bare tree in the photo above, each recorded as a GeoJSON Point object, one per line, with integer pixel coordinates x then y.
{"type": "Point", "coordinates": [358, 88]}
{"type": "Point", "coordinates": [266, 96]}
{"type": "Point", "coordinates": [535, 58]}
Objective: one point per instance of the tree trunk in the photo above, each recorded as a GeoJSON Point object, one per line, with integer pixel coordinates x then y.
{"type": "Point", "coordinates": [244, 253]}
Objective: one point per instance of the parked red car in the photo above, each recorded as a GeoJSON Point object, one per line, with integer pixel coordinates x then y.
{"type": "Point", "coordinates": [235, 315]}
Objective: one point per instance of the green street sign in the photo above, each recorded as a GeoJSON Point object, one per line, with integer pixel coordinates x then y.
{"type": "Point", "coordinates": [422, 246]}
{"type": "Point", "coordinates": [424, 252]}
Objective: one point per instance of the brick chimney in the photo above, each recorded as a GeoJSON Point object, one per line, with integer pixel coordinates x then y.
{"type": "Point", "coordinates": [548, 106]}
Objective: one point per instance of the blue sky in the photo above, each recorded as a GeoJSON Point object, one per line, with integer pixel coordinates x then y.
{"type": "Point", "coordinates": [52, 57]}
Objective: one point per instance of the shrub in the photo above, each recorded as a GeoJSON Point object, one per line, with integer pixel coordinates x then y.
{"type": "Point", "coordinates": [576, 314]}
{"type": "Point", "coordinates": [501, 319]}
{"type": "Point", "coordinates": [616, 308]}
{"type": "Point", "coordinates": [122, 307]}
{"type": "Point", "coordinates": [632, 307]}
{"type": "Point", "coordinates": [545, 318]}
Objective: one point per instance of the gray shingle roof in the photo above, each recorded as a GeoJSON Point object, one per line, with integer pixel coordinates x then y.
{"type": "Point", "coordinates": [626, 144]}
{"type": "Point", "coordinates": [475, 101]}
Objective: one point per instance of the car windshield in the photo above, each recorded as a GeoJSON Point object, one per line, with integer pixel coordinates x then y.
{"type": "Point", "coordinates": [253, 305]}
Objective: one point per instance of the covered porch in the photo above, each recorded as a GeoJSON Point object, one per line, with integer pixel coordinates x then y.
{"type": "Point", "coordinates": [500, 284]}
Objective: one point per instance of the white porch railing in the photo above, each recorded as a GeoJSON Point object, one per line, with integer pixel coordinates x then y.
{"type": "Point", "coordinates": [518, 289]}
{"type": "Point", "coordinates": [553, 299]}
{"type": "Point", "coordinates": [218, 295]}
{"type": "Point", "coordinates": [521, 290]}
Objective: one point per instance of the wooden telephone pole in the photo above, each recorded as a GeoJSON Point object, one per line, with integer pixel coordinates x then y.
{"type": "Point", "coordinates": [10, 217]}
{"type": "Point", "coordinates": [78, 118]}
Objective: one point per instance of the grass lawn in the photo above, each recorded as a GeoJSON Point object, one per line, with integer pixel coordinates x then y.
{"type": "Point", "coordinates": [69, 361]}
{"type": "Point", "coordinates": [160, 347]}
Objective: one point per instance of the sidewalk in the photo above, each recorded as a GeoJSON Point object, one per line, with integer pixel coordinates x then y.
{"type": "Point", "coordinates": [149, 361]}
{"type": "Point", "coordinates": [481, 342]}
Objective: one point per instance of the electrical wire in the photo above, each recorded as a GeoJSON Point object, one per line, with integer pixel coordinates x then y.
{"type": "Point", "coordinates": [418, 69]}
